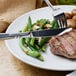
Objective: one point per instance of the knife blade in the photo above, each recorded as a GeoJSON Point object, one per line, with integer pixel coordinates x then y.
{"type": "Point", "coordinates": [47, 32]}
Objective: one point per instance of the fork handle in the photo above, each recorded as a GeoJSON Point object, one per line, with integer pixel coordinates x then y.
{"type": "Point", "coordinates": [49, 4]}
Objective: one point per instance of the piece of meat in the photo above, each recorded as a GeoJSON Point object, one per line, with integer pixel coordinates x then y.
{"type": "Point", "coordinates": [70, 40]}
{"type": "Point", "coordinates": [57, 47]}
{"type": "Point", "coordinates": [64, 45]}
{"type": "Point", "coordinates": [72, 34]}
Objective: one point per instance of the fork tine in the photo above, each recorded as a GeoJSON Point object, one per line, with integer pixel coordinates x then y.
{"type": "Point", "coordinates": [61, 20]}
{"type": "Point", "coordinates": [57, 21]}
{"type": "Point", "coordinates": [64, 20]}
{"type": "Point", "coordinates": [65, 23]}
{"type": "Point", "coordinates": [61, 24]}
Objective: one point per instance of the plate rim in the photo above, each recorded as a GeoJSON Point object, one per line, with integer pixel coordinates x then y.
{"type": "Point", "coordinates": [34, 65]}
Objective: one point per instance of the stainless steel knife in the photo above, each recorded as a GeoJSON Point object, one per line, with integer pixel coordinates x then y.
{"type": "Point", "coordinates": [37, 33]}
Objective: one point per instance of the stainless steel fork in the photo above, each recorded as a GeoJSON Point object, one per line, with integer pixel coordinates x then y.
{"type": "Point", "coordinates": [58, 14]}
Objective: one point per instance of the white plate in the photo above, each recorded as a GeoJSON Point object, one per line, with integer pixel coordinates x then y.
{"type": "Point", "coordinates": [51, 62]}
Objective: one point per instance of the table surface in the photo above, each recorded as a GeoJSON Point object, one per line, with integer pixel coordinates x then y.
{"type": "Point", "coordinates": [11, 66]}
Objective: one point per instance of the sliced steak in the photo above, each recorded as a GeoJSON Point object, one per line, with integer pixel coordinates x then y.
{"type": "Point", "coordinates": [64, 45]}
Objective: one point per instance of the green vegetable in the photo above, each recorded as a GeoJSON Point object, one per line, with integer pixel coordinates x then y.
{"type": "Point", "coordinates": [41, 58]}
{"type": "Point", "coordinates": [36, 54]}
{"type": "Point", "coordinates": [29, 24]}
{"type": "Point", "coordinates": [36, 47]}
{"type": "Point", "coordinates": [27, 50]}
{"type": "Point", "coordinates": [33, 24]}
{"type": "Point", "coordinates": [28, 28]}
{"type": "Point", "coordinates": [32, 41]}
{"type": "Point", "coordinates": [22, 44]}
{"type": "Point", "coordinates": [32, 48]}
{"type": "Point", "coordinates": [54, 24]}
{"type": "Point", "coordinates": [43, 41]}
{"type": "Point", "coordinates": [43, 48]}
{"type": "Point", "coordinates": [33, 53]}
{"type": "Point", "coordinates": [42, 24]}
{"type": "Point", "coordinates": [27, 40]}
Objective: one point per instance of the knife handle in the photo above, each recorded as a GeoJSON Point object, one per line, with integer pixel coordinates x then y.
{"type": "Point", "coordinates": [15, 35]}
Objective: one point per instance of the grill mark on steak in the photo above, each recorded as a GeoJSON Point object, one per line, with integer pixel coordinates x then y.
{"type": "Point", "coordinates": [57, 47]}
{"type": "Point", "coordinates": [68, 47]}
{"type": "Point", "coordinates": [70, 40]}
{"type": "Point", "coordinates": [72, 34]}
{"type": "Point", "coordinates": [52, 45]}
{"type": "Point", "coordinates": [54, 50]}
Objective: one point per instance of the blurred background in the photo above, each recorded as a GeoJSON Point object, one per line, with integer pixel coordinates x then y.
{"type": "Point", "coordinates": [11, 9]}
{"type": "Point", "coordinates": [41, 3]}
